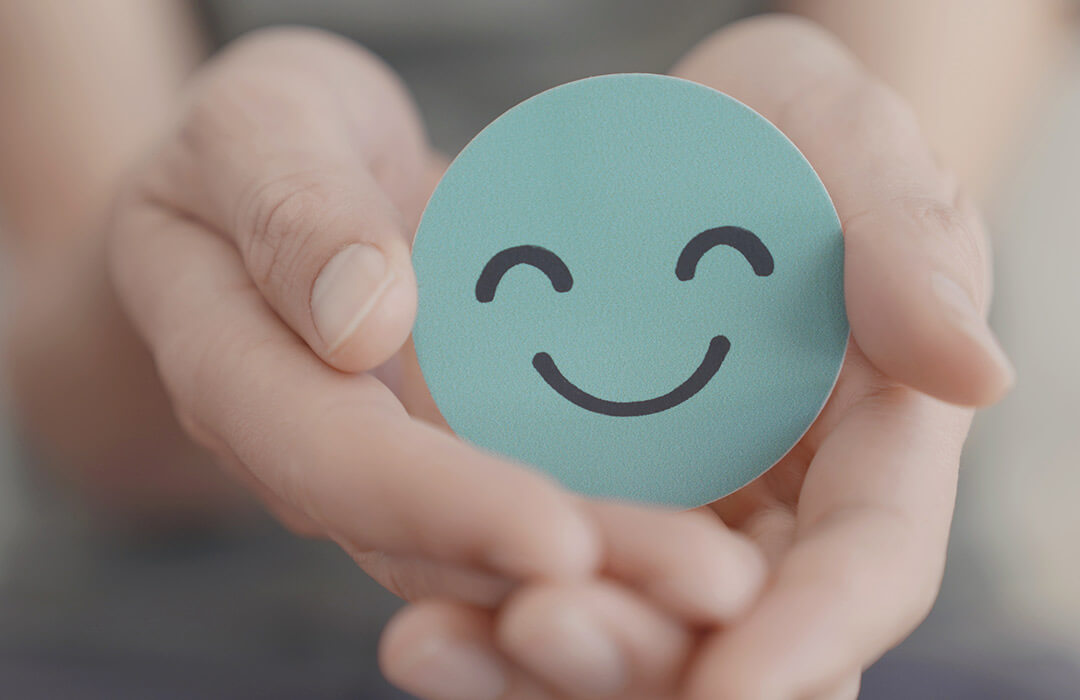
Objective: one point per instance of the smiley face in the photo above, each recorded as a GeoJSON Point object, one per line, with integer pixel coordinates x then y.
{"type": "Point", "coordinates": [751, 247]}
{"type": "Point", "coordinates": [632, 282]}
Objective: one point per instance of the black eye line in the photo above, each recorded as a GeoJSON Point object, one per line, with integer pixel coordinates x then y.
{"type": "Point", "coordinates": [541, 258]}
{"type": "Point", "coordinates": [738, 238]}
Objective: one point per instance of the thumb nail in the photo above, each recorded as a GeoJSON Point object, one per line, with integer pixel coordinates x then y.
{"type": "Point", "coordinates": [346, 290]}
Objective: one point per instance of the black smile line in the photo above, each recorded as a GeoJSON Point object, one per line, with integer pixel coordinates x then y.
{"type": "Point", "coordinates": [714, 357]}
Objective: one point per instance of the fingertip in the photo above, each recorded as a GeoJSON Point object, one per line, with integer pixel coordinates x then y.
{"type": "Point", "coordinates": [594, 639]}
{"type": "Point", "coordinates": [418, 621]}
{"type": "Point", "coordinates": [400, 633]}
{"type": "Point", "coordinates": [926, 340]}
{"type": "Point", "coordinates": [442, 651]}
{"type": "Point", "coordinates": [727, 575]}
{"type": "Point", "coordinates": [558, 634]}
{"type": "Point", "coordinates": [991, 372]}
{"type": "Point", "coordinates": [549, 631]}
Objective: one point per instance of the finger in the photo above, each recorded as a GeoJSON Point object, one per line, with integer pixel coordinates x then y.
{"type": "Point", "coordinates": [688, 562]}
{"type": "Point", "coordinates": [443, 651]}
{"type": "Point", "coordinates": [307, 154]}
{"type": "Point", "coordinates": [338, 448]}
{"type": "Point", "coordinates": [414, 578]}
{"type": "Point", "coordinates": [439, 651]}
{"type": "Point", "coordinates": [593, 640]}
{"type": "Point", "coordinates": [867, 559]}
{"type": "Point", "coordinates": [287, 515]}
{"type": "Point", "coordinates": [916, 264]}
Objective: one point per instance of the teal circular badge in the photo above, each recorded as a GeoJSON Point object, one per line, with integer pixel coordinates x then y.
{"type": "Point", "coordinates": [634, 283]}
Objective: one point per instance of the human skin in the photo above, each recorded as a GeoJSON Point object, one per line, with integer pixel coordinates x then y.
{"type": "Point", "coordinates": [294, 145]}
{"type": "Point", "coordinates": [88, 87]}
{"type": "Point", "coordinates": [854, 521]}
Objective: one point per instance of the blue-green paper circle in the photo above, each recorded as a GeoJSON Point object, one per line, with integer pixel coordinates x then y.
{"type": "Point", "coordinates": [615, 175]}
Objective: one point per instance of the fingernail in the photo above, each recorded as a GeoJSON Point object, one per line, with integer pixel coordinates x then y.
{"type": "Point", "coordinates": [966, 316]}
{"type": "Point", "coordinates": [569, 648]}
{"type": "Point", "coordinates": [346, 290]}
{"type": "Point", "coordinates": [446, 670]}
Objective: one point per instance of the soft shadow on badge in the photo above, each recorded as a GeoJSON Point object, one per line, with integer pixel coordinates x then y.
{"type": "Point", "coordinates": [634, 283]}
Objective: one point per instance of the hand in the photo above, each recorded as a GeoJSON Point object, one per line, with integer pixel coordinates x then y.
{"type": "Point", "coordinates": [263, 254]}
{"type": "Point", "coordinates": [854, 520]}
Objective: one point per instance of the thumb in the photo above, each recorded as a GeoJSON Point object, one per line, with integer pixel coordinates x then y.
{"type": "Point", "coordinates": [916, 262]}
{"type": "Point", "coordinates": [305, 154]}
{"type": "Point", "coordinates": [917, 287]}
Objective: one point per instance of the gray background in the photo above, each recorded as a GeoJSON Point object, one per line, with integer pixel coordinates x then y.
{"type": "Point", "coordinates": [107, 602]}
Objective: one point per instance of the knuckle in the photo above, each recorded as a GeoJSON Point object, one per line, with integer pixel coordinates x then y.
{"type": "Point", "coordinates": [947, 229]}
{"type": "Point", "coordinates": [936, 229]}
{"type": "Point", "coordinates": [981, 249]}
{"type": "Point", "coordinates": [936, 216]}
{"type": "Point", "coordinates": [861, 111]}
{"type": "Point", "coordinates": [277, 220]}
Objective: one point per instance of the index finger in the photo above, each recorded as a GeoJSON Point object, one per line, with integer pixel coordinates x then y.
{"type": "Point", "coordinates": [337, 447]}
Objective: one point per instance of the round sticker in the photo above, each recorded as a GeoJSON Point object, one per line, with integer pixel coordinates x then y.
{"type": "Point", "coordinates": [634, 283]}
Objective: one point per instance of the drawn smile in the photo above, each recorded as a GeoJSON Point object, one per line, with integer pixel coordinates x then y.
{"type": "Point", "coordinates": [714, 357]}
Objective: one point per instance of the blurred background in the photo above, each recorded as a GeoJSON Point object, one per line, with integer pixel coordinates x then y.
{"type": "Point", "coordinates": [90, 608]}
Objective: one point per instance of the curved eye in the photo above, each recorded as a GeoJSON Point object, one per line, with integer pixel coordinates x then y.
{"type": "Point", "coordinates": [540, 258]}
{"type": "Point", "coordinates": [738, 238]}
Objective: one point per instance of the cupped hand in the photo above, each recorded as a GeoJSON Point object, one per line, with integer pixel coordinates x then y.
{"type": "Point", "coordinates": [853, 522]}
{"type": "Point", "coordinates": [262, 252]}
